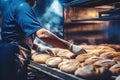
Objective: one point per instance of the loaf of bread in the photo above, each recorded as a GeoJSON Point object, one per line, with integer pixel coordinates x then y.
{"type": "Point", "coordinates": [33, 55]}
{"type": "Point", "coordinates": [93, 59]}
{"type": "Point", "coordinates": [41, 58]}
{"type": "Point", "coordinates": [108, 55]}
{"type": "Point", "coordinates": [94, 52]}
{"type": "Point", "coordinates": [91, 72]}
{"type": "Point", "coordinates": [117, 59]}
{"type": "Point", "coordinates": [56, 50]}
{"type": "Point", "coordinates": [83, 57]}
{"type": "Point", "coordinates": [53, 61]}
{"type": "Point", "coordinates": [105, 48]}
{"type": "Point", "coordinates": [101, 49]}
{"type": "Point", "coordinates": [114, 46]}
{"type": "Point", "coordinates": [65, 53]}
{"type": "Point", "coordinates": [115, 69]}
{"type": "Point", "coordinates": [89, 47]}
{"type": "Point", "coordinates": [85, 71]}
{"type": "Point", "coordinates": [62, 52]}
{"type": "Point", "coordinates": [69, 66]}
{"type": "Point", "coordinates": [104, 63]}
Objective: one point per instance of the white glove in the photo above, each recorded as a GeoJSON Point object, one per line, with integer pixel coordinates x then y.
{"type": "Point", "coordinates": [46, 50]}
{"type": "Point", "coordinates": [77, 50]}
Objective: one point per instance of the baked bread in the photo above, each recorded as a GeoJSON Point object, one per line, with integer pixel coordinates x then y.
{"type": "Point", "coordinates": [83, 57]}
{"type": "Point", "coordinates": [105, 48]}
{"type": "Point", "coordinates": [92, 72]}
{"type": "Point", "coordinates": [53, 61]}
{"type": "Point", "coordinates": [104, 63]}
{"type": "Point", "coordinates": [115, 69]}
{"type": "Point", "coordinates": [33, 55]}
{"type": "Point", "coordinates": [101, 49]}
{"type": "Point", "coordinates": [65, 53]}
{"type": "Point", "coordinates": [56, 50]}
{"type": "Point", "coordinates": [108, 55]}
{"type": "Point", "coordinates": [114, 46]}
{"type": "Point", "coordinates": [88, 47]}
{"type": "Point", "coordinates": [69, 66]}
{"type": "Point", "coordinates": [94, 52]}
{"type": "Point", "coordinates": [117, 59]}
{"type": "Point", "coordinates": [62, 53]}
{"type": "Point", "coordinates": [85, 71]}
{"type": "Point", "coordinates": [41, 58]}
{"type": "Point", "coordinates": [92, 60]}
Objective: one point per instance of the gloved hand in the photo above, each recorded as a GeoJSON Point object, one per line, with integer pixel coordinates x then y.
{"type": "Point", "coordinates": [77, 50]}
{"type": "Point", "coordinates": [38, 48]}
{"type": "Point", "coordinates": [46, 50]}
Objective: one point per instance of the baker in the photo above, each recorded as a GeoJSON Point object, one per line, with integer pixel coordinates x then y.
{"type": "Point", "coordinates": [19, 29]}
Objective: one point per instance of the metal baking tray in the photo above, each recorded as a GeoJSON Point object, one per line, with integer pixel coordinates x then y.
{"type": "Point", "coordinates": [54, 72]}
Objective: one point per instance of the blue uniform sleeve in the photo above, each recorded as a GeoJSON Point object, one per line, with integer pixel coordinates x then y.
{"type": "Point", "coordinates": [26, 19]}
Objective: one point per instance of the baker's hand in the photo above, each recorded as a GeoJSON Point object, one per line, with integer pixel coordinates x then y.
{"type": "Point", "coordinates": [77, 50]}
{"type": "Point", "coordinates": [46, 50]}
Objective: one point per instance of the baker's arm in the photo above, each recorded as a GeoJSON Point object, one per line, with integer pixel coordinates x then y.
{"type": "Point", "coordinates": [53, 40]}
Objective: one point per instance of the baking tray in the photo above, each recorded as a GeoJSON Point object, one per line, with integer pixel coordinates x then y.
{"type": "Point", "coordinates": [54, 72]}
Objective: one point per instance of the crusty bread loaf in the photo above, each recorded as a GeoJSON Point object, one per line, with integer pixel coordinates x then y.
{"type": "Point", "coordinates": [91, 72]}
{"type": "Point", "coordinates": [41, 58]}
{"type": "Point", "coordinates": [101, 49]}
{"type": "Point", "coordinates": [105, 63]}
{"type": "Point", "coordinates": [88, 47]}
{"type": "Point", "coordinates": [64, 59]}
{"type": "Point", "coordinates": [83, 57]}
{"type": "Point", "coordinates": [65, 53]}
{"type": "Point", "coordinates": [115, 69]}
{"type": "Point", "coordinates": [98, 52]}
{"type": "Point", "coordinates": [33, 55]}
{"type": "Point", "coordinates": [62, 52]}
{"type": "Point", "coordinates": [114, 46]}
{"type": "Point", "coordinates": [69, 66]}
{"type": "Point", "coordinates": [94, 52]}
{"type": "Point", "coordinates": [53, 61]}
{"type": "Point", "coordinates": [105, 48]}
{"type": "Point", "coordinates": [93, 59]}
{"type": "Point", "coordinates": [108, 55]}
{"type": "Point", "coordinates": [117, 59]}
{"type": "Point", "coordinates": [56, 50]}
{"type": "Point", "coordinates": [85, 71]}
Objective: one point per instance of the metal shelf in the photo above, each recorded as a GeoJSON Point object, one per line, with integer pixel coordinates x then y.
{"type": "Point", "coordinates": [113, 14]}
{"type": "Point", "coordinates": [89, 3]}
{"type": "Point", "coordinates": [54, 72]}
{"type": "Point", "coordinates": [110, 12]}
{"type": "Point", "coordinates": [106, 18]}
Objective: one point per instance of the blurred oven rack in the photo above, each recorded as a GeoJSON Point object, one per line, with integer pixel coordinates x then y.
{"type": "Point", "coordinates": [89, 3]}
{"type": "Point", "coordinates": [106, 18]}
{"type": "Point", "coordinates": [113, 14]}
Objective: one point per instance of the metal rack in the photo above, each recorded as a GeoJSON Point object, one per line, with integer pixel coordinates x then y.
{"type": "Point", "coordinates": [53, 72]}
{"type": "Point", "coordinates": [105, 18]}
{"type": "Point", "coordinates": [113, 14]}
{"type": "Point", "coordinates": [89, 3]}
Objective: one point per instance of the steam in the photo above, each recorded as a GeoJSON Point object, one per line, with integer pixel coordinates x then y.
{"type": "Point", "coordinates": [53, 15]}
{"type": "Point", "coordinates": [52, 19]}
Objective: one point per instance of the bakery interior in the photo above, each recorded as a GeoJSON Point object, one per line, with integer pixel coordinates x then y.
{"type": "Point", "coordinates": [92, 24]}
